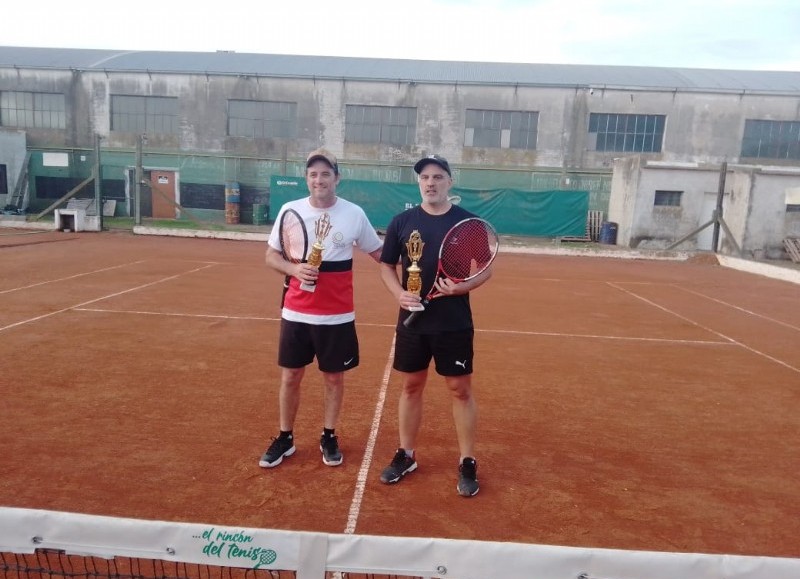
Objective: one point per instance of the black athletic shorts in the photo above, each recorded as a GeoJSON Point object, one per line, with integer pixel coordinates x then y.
{"type": "Point", "coordinates": [451, 351]}
{"type": "Point", "coordinates": [336, 347]}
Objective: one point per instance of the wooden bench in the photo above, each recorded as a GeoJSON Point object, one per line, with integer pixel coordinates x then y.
{"type": "Point", "coordinates": [594, 220]}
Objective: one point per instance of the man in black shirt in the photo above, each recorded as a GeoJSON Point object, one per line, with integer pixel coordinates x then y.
{"type": "Point", "coordinates": [443, 333]}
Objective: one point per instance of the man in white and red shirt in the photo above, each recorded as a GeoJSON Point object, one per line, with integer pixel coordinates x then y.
{"type": "Point", "coordinates": [319, 323]}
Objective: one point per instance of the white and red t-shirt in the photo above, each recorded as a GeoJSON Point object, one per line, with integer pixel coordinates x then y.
{"type": "Point", "coordinates": [332, 300]}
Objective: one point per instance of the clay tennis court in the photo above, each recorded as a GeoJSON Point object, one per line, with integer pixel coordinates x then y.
{"type": "Point", "coordinates": [625, 404]}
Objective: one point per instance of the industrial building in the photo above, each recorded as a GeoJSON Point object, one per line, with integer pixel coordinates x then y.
{"type": "Point", "coordinates": [201, 120]}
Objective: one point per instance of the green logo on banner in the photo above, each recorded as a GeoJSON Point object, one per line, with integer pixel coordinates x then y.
{"type": "Point", "coordinates": [236, 547]}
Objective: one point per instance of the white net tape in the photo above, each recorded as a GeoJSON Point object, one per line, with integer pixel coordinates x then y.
{"type": "Point", "coordinates": [309, 555]}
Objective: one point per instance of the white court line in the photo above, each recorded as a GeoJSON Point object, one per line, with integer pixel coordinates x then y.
{"type": "Point", "coordinates": [721, 335]}
{"type": "Point", "coordinates": [743, 310]}
{"type": "Point", "coordinates": [70, 277]}
{"type": "Point", "coordinates": [361, 482]}
{"type": "Point", "coordinates": [176, 314]}
{"type": "Point", "coordinates": [43, 316]}
{"type": "Point", "coordinates": [605, 337]}
{"type": "Point", "coordinates": [367, 324]}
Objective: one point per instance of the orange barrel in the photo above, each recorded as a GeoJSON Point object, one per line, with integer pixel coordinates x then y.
{"type": "Point", "coordinates": [232, 203]}
{"type": "Point", "coordinates": [232, 215]}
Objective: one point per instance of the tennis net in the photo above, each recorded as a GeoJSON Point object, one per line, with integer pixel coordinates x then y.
{"type": "Point", "coordinates": [38, 544]}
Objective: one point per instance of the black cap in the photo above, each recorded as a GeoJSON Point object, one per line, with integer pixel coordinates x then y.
{"type": "Point", "coordinates": [441, 161]}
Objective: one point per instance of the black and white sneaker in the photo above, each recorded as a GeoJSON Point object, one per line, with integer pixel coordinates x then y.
{"type": "Point", "coordinates": [329, 446]}
{"type": "Point", "coordinates": [401, 465]}
{"type": "Point", "coordinates": [280, 447]}
{"type": "Point", "coordinates": [468, 478]}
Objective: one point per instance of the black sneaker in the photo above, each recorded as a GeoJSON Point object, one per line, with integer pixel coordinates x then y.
{"type": "Point", "coordinates": [279, 448]}
{"type": "Point", "coordinates": [401, 465]}
{"type": "Point", "coordinates": [329, 446]}
{"type": "Point", "coordinates": [468, 478]}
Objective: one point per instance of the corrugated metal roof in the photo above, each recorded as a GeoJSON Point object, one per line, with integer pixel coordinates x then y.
{"type": "Point", "coordinates": [277, 65]}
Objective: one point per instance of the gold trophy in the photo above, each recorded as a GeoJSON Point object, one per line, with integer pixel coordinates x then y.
{"type": "Point", "coordinates": [322, 227]}
{"type": "Point", "coordinates": [414, 283]}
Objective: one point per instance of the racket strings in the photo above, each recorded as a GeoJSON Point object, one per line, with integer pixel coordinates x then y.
{"type": "Point", "coordinates": [467, 250]}
{"type": "Point", "coordinates": [293, 240]}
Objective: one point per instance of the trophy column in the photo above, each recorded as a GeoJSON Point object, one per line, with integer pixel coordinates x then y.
{"type": "Point", "coordinates": [322, 227]}
{"type": "Point", "coordinates": [414, 283]}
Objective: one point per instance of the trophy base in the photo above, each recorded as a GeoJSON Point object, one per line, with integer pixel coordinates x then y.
{"type": "Point", "coordinates": [308, 287]}
{"type": "Point", "coordinates": [419, 308]}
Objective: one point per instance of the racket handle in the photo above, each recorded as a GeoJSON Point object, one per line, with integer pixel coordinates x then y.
{"type": "Point", "coordinates": [409, 321]}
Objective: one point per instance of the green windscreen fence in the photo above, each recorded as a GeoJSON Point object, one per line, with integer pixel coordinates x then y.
{"type": "Point", "coordinates": [511, 211]}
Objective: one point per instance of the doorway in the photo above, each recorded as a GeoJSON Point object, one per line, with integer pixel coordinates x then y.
{"type": "Point", "coordinates": [164, 194]}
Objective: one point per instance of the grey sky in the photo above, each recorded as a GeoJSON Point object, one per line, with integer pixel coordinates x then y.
{"type": "Point", "coordinates": [731, 34]}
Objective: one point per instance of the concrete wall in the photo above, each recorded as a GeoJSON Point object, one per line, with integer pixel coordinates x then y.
{"type": "Point", "coordinates": [703, 129]}
{"type": "Point", "coordinates": [700, 125]}
{"type": "Point", "coordinates": [754, 206]}
{"type": "Point", "coordinates": [12, 155]}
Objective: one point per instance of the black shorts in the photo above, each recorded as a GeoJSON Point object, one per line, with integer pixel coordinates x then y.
{"type": "Point", "coordinates": [336, 347]}
{"type": "Point", "coordinates": [451, 351]}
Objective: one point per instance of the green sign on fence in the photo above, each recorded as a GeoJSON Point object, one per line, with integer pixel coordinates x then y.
{"type": "Point", "coordinates": [551, 213]}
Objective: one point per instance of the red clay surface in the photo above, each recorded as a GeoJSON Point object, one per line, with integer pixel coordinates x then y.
{"type": "Point", "coordinates": [624, 404]}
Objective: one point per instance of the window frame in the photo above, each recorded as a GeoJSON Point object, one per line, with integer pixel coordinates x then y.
{"type": "Point", "coordinates": [667, 198]}
{"type": "Point", "coordinates": [380, 125]}
{"type": "Point", "coordinates": [267, 119]}
{"type": "Point", "coordinates": [627, 133]}
{"type": "Point", "coordinates": [145, 114]}
{"type": "Point", "coordinates": [35, 110]}
{"type": "Point", "coordinates": [501, 129]}
{"type": "Point", "coordinates": [771, 139]}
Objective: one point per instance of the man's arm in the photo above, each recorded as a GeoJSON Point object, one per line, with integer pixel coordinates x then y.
{"type": "Point", "coordinates": [451, 288]}
{"type": "Point", "coordinates": [392, 282]}
{"type": "Point", "coordinates": [302, 271]}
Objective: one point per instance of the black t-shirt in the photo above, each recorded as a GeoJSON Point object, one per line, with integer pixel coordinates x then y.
{"type": "Point", "coordinates": [444, 313]}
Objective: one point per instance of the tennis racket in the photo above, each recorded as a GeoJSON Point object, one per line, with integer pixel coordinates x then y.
{"type": "Point", "coordinates": [294, 242]}
{"type": "Point", "coordinates": [467, 250]}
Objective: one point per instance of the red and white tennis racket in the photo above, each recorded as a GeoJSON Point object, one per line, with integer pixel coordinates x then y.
{"type": "Point", "coordinates": [467, 250]}
{"type": "Point", "coordinates": [294, 241]}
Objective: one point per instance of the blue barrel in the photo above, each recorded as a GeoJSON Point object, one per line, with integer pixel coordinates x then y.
{"type": "Point", "coordinates": [608, 233]}
{"type": "Point", "coordinates": [232, 192]}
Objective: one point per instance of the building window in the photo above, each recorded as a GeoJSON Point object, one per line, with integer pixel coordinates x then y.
{"type": "Point", "coordinates": [144, 114]}
{"type": "Point", "coordinates": [3, 180]}
{"type": "Point", "coordinates": [37, 110]}
{"type": "Point", "coordinates": [627, 133]}
{"type": "Point", "coordinates": [771, 139]}
{"type": "Point", "coordinates": [385, 125]}
{"type": "Point", "coordinates": [262, 119]}
{"type": "Point", "coordinates": [668, 199]}
{"type": "Point", "coordinates": [792, 208]}
{"type": "Point", "coordinates": [501, 129]}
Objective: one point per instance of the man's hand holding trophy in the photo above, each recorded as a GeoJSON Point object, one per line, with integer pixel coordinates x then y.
{"type": "Point", "coordinates": [322, 228]}
{"type": "Point", "coordinates": [414, 283]}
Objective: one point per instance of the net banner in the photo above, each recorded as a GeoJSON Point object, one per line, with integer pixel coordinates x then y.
{"type": "Point", "coordinates": [314, 555]}
{"type": "Point", "coordinates": [24, 531]}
